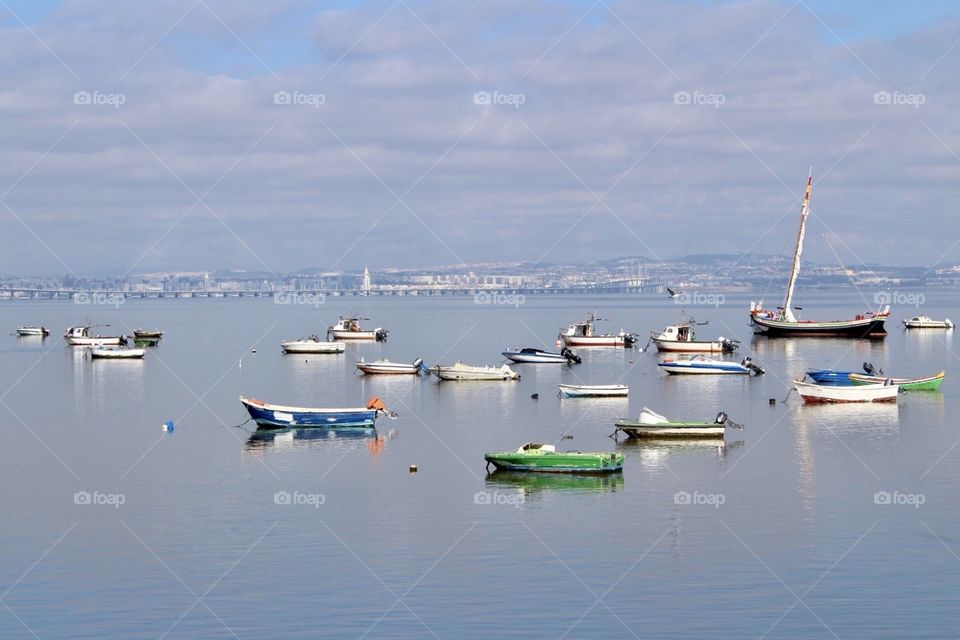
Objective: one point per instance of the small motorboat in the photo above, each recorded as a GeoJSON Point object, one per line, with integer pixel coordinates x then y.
{"type": "Point", "coordinates": [653, 425]}
{"type": "Point", "coordinates": [593, 390]}
{"type": "Point", "coordinates": [813, 393]}
{"type": "Point", "coordinates": [385, 367]}
{"type": "Point", "coordinates": [681, 337]}
{"type": "Point", "coordinates": [926, 322]}
{"type": "Point", "coordinates": [700, 364]}
{"type": "Point", "coordinates": [583, 334]}
{"type": "Point", "coordinates": [928, 383]}
{"type": "Point", "coordinates": [348, 328]}
{"type": "Point", "coordinates": [81, 337]}
{"type": "Point", "coordinates": [33, 331]}
{"type": "Point", "coordinates": [544, 458]}
{"type": "Point", "coordinates": [312, 344]}
{"type": "Point", "coordinates": [276, 416]}
{"type": "Point", "coordinates": [116, 352]}
{"type": "Point", "coordinates": [147, 334]}
{"type": "Point", "coordinates": [831, 377]}
{"type": "Point", "coordinates": [462, 371]}
{"type": "Point", "coordinates": [538, 356]}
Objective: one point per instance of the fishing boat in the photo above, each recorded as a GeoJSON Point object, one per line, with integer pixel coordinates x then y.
{"type": "Point", "coordinates": [783, 322]}
{"type": "Point", "coordinates": [700, 364]}
{"type": "Point", "coordinates": [831, 377]}
{"type": "Point", "coordinates": [33, 331]}
{"type": "Point", "coordinates": [813, 393]}
{"type": "Point", "coordinates": [544, 458]}
{"type": "Point", "coordinates": [81, 337]}
{"type": "Point", "coordinates": [653, 425]}
{"type": "Point", "coordinates": [928, 383]}
{"type": "Point", "coordinates": [593, 390]}
{"type": "Point", "coordinates": [462, 371]}
{"type": "Point", "coordinates": [385, 367]}
{"type": "Point", "coordinates": [538, 356]}
{"type": "Point", "coordinates": [681, 337]}
{"type": "Point", "coordinates": [146, 334]}
{"type": "Point", "coordinates": [926, 322]}
{"type": "Point", "coordinates": [276, 416]}
{"type": "Point", "coordinates": [312, 344]}
{"type": "Point", "coordinates": [116, 353]}
{"type": "Point", "coordinates": [584, 334]}
{"type": "Point", "coordinates": [348, 328]}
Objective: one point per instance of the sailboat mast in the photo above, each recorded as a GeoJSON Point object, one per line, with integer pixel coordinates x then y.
{"type": "Point", "coordinates": [795, 269]}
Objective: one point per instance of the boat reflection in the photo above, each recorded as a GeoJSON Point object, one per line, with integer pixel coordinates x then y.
{"type": "Point", "coordinates": [291, 439]}
{"type": "Point", "coordinates": [867, 418]}
{"type": "Point", "coordinates": [532, 483]}
{"type": "Point", "coordinates": [654, 453]}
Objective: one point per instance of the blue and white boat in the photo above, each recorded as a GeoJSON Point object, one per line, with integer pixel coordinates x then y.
{"type": "Point", "coordinates": [275, 416]}
{"type": "Point", "coordinates": [831, 377]}
{"type": "Point", "coordinates": [538, 356]}
{"type": "Point", "coordinates": [700, 364]}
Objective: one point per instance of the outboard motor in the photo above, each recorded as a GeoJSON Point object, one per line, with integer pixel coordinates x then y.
{"type": "Point", "coordinates": [381, 335]}
{"type": "Point", "coordinates": [418, 363]}
{"type": "Point", "coordinates": [871, 370]}
{"type": "Point", "coordinates": [721, 418]}
{"type": "Point", "coordinates": [748, 363]}
{"type": "Point", "coordinates": [571, 357]}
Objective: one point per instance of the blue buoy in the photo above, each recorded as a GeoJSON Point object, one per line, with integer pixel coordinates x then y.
{"type": "Point", "coordinates": [167, 426]}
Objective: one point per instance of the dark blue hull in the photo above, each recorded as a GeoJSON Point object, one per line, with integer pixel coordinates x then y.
{"type": "Point", "coordinates": [276, 417]}
{"type": "Point", "coordinates": [830, 377]}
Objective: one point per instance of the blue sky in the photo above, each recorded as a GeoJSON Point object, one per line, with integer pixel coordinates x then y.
{"type": "Point", "coordinates": [656, 129]}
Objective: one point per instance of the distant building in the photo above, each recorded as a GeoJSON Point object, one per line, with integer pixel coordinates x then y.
{"type": "Point", "coordinates": [366, 281]}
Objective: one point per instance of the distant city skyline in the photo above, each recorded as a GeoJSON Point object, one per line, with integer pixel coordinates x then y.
{"type": "Point", "coordinates": [271, 137]}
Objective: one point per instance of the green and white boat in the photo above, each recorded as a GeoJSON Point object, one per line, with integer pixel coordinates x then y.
{"type": "Point", "coordinates": [544, 458]}
{"type": "Point", "coordinates": [929, 383]}
{"type": "Point", "coordinates": [653, 425]}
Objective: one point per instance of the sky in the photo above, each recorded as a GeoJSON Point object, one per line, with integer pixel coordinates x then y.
{"type": "Point", "coordinates": [211, 134]}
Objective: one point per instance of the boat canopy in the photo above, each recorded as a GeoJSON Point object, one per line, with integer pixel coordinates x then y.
{"type": "Point", "coordinates": [536, 446]}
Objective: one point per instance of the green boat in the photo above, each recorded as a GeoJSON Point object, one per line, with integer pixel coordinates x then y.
{"type": "Point", "coordinates": [653, 425]}
{"type": "Point", "coordinates": [534, 483]}
{"type": "Point", "coordinates": [930, 383]}
{"type": "Point", "coordinates": [544, 458]}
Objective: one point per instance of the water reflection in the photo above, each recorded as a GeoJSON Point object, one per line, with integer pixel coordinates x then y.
{"type": "Point", "coordinates": [860, 418]}
{"type": "Point", "coordinates": [654, 453]}
{"type": "Point", "coordinates": [293, 439]}
{"type": "Point", "coordinates": [928, 341]}
{"type": "Point", "coordinates": [533, 484]}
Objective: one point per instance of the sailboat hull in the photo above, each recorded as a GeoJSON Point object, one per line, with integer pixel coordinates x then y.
{"type": "Point", "coordinates": [868, 327]}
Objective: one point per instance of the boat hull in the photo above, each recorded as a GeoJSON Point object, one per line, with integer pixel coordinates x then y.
{"type": "Point", "coordinates": [535, 358]}
{"type": "Point", "coordinates": [697, 368]}
{"type": "Point", "coordinates": [117, 354]}
{"type": "Point", "coordinates": [636, 429]}
{"type": "Point", "coordinates": [557, 463]}
{"type": "Point", "coordinates": [270, 416]}
{"type": "Point", "coordinates": [597, 341]}
{"type": "Point", "coordinates": [90, 342]}
{"type": "Point", "coordinates": [460, 372]}
{"type": "Point", "coordinates": [868, 327]}
{"type": "Point", "coordinates": [594, 391]}
{"type": "Point", "coordinates": [387, 368]}
{"type": "Point", "coordinates": [832, 377]}
{"type": "Point", "coordinates": [337, 334]}
{"type": "Point", "coordinates": [814, 393]}
{"type": "Point", "coordinates": [930, 383]}
{"type": "Point", "coordinates": [32, 331]}
{"type": "Point", "coordinates": [696, 346]}
{"type": "Point", "coordinates": [312, 347]}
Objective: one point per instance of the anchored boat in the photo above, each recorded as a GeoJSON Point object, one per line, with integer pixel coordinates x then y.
{"type": "Point", "coordinates": [312, 344]}
{"type": "Point", "coordinates": [81, 337]}
{"type": "Point", "coordinates": [462, 371]}
{"type": "Point", "coordinates": [681, 337]}
{"type": "Point", "coordinates": [32, 331]}
{"type": "Point", "coordinates": [814, 393]}
{"type": "Point", "coordinates": [544, 458]}
{"type": "Point", "coordinates": [117, 353]}
{"type": "Point", "coordinates": [928, 383]}
{"type": "Point", "coordinates": [385, 367]}
{"type": "Point", "coordinates": [783, 322]}
{"type": "Point", "coordinates": [348, 328]}
{"type": "Point", "coordinates": [583, 334]}
{"type": "Point", "coordinates": [593, 390]}
{"type": "Point", "coordinates": [538, 356]}
{"type": "Point", "coordinates": [276, 416]}
{"type": "Point", "coordinates": [653, 425]}
{"type": "Point", "coordinates": [700, 364]}
{"type": "Point", "coordinates": [926, 322]}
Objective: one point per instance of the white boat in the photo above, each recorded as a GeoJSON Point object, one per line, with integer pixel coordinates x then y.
{"type": "Point", "coordinates": [700, 364]}
{"type": "Point", "coordinates": [116, 353]}
{"type": "Point", "coordinates": [782, 322]}
{"type": "Point", "coordinates": [583, 334]}
{"type": "Point", "coordinates": [926, 322]}
{"type": "Point", "coordinates": [32, 331]}
{"type": "Point", "coordinates": [651, 424]}
{"type": "Point", "coordinates": [811, 392]}
{"type": "Point", "coordinates": [385, 367]}
{"type": "Point", "coordinates": [681, 337]}
{"type": "Point", "coordinates": [538, 356]}
{"type": "Point", "coordinates": [348, 328]}
{"type": "Point", "coordinates": [461, 371]}
{"type": "Point", "coordinates": [81, 337]}
{"type": "Point", "coordinates": [593, 390]}
{"type": "Point", "coordinates": [312, 344]}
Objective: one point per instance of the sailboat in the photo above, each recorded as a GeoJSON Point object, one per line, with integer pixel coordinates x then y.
{"type": "Point", "coordinates": [783, 322]}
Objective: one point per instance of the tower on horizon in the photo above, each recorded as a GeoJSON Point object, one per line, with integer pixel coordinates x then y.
{"type": "Point", "coordinates": [366, 281]}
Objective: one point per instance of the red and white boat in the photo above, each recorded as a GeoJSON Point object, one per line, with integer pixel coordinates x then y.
{"type": "Point", "coordinates": [814, 393]}
{"type": "Point", "coordinates": [583, 334]}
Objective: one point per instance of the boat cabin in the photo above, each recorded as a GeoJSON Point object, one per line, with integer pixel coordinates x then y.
{"type": "Point", "coordinates": [531, 447]}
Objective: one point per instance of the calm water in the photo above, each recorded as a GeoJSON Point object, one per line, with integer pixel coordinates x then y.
{"type": "Point", "coordinates": [783, 537]}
